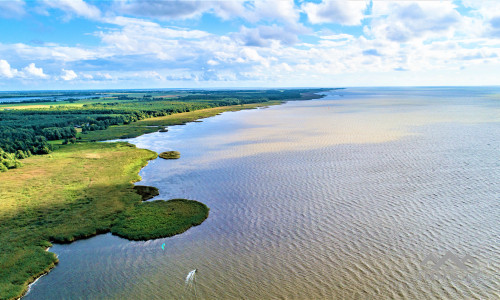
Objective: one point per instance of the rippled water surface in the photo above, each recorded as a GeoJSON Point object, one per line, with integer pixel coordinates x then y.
{"type": "Point", "coordinates": [338, 198]}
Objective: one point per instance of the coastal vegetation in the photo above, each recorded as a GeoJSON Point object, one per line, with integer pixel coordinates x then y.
{"type": "Point", "coordinates": [151, 220]}
{"type": "Point", "coordinates": [170, 155]}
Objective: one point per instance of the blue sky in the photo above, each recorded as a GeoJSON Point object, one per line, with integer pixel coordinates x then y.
{"type": "Point", "coordinates": [77, 44]}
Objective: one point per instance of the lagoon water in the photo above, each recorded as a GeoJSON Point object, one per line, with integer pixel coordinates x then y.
{"type": "Point", "coordinates": [338, 198]}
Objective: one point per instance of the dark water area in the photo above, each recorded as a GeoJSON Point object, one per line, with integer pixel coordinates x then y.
{"type": "Point", "coordinates": [338, 198]}
{"type": "Point", "coordinates": [29, 99]}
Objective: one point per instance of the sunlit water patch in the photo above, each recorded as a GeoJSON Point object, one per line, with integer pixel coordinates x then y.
{"type": "Point", "coordinates": [338, 198]}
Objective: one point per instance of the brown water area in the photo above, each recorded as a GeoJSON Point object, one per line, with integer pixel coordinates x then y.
{"type": "Point", "coordinates": [374, 193]}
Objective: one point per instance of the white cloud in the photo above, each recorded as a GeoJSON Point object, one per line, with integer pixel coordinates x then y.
{"type": "Point", "coordinates": [229, 9]}
{"type": "Point", "coordinates": [49, 51]}
{"type": "Point", "coordinates": [263, 36]}
{"type": "Point", "coordinates": [6, 70]}
{"type": "Point", "coordinates": [68, 75]}
{"type": "Point", "coordinates": [136, 27]}
{"type": "Point", "coordinates": [403, 21]}
{"type": "Point", "coordinates": [415, 36]}
{"type": "Point", "coordinates": [212, 62]}
{"type": "Point", "coordinates": [32, 71]}
{"type": "Point", "coordinates": [284, 11]}
{"type": "Point", "coordinates": [342, 12]}
{"type": "Point", "coordinates": [12, 9]}
{"type": "Point", "coordinates": [487, 9]}
{"type": "Point", "coordinates": [75, 7]}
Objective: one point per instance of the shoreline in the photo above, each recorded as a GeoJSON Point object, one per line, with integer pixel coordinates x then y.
{"type": "Point", "coordinates": [33, 280]}
{"type": "Point", "coordinates": [30, 283]}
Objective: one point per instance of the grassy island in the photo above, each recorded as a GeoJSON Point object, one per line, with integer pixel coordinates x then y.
{"type": "Point", "coordinates": [170, 155]}
{"type": "Point", "coordinates": [156, 219]}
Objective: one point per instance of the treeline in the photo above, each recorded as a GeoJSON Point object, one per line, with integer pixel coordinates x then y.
{"type": "Point", "coordinates": [27, 132]}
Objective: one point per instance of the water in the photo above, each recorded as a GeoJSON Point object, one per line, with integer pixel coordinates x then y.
{"type": "Point", "coordinates": [338, 198]}
{"type": "Point", "coordinates": [47, 98]}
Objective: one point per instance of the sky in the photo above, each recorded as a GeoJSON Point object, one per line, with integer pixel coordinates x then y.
{"type": "Point", "coordinates": [77, 44]}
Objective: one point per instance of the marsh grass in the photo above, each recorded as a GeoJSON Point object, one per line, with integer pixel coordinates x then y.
{"type": "Point", "coordinates": [170, 155]}
{"type": "Point", "coordinates": [157, 219]}
{"type": "Point", "coordinates": [75, 192]}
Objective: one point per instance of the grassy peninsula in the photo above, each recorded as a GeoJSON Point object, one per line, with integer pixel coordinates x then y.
{"type": "Point", "coordinates": [76, 192]}
{"type": "Point", "coordinates": [150, 220]}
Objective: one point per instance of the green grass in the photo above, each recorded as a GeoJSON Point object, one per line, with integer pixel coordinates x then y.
{"type": "Point", "coordinates": [151, 220]}
{"type": "Point", "coordinates": [183, 118]}
{"type": "Point", "coordinates": [75, 192]}
{"type": "Point", "coordinates": [116, 132]}
{"type": "Point", "coordinates": [170, 155]}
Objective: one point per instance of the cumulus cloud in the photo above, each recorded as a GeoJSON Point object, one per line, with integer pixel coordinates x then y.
{"type": "Point", "coordinates": [68, 75]}
{"type": "Point", "coordinates": [32, 71]}
{"type": "Point", "coordinates": [98, 76]}
{"type": "Point", "coordinates": [342, 12]}
{"type": "Point", "coordinates": [12, 9]}
{"type": "Point", "coordinates": [139, 37]}
{"type": "Point", "coordinates": [6, 70]}
{"type": "Point", "coordinates": [271, 41]}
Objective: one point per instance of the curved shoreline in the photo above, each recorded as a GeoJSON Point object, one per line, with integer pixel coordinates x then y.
{"type": "Point", "coordinates": [33, 280]}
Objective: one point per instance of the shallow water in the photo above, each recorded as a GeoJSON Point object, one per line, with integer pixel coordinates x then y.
{"type": "Point", "coordinates": [338, 198]}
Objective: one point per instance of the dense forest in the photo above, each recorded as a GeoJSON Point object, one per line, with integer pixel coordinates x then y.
{"type": "Point", "coordinates": [26, 132]}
